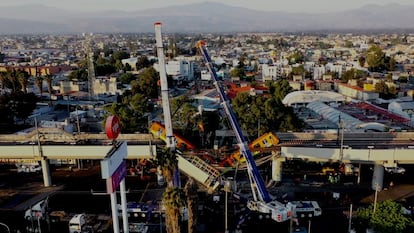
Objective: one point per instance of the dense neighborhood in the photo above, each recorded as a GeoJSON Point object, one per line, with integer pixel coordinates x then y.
{"type": "Point", "coordinates": [276, 82]}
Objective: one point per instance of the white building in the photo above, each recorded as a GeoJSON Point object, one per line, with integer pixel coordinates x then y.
{"type": "Point", "coordinates": [180, 69]}
{"type": "Point", "coordinates": [270, 72]}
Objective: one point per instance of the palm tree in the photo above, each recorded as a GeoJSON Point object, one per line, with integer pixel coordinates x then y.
{"type": "Point", "coordinates": [39, 84]}
{"type": "Point", "coordinates": [49, 78]}
{"type": "Point", "coordinates": [173, 197]}
{"type": "Point", "coordinates": [12, 78]}
{"type": "Point", "coordinates": [190, 190]}
{"type": "Point", "coordinates": [23, 77]}
{"type": "Point", "coordinates": [174, 200]}
{"type": "Point", "coordinates": [3, 79]}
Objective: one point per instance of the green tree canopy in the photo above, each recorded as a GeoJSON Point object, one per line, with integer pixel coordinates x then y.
{"type": "Point", "coordinates": [375, 58]}
{"type": "Point", "coordinates": [132, 113]}
{"type": "Point", "coordinates": [258, 114]}
{"type": "Point", "coordinates": [279, 89]}
{"type": "Point", "coordinates": [17, 105]}
{"type": "Point", "coordinates": [237, 72]}
{"type": "Point", "coordinates": [147, 83]}
{"type": "Point", "coordinates": [127, 78]}
{"type": "Point", "coordinates": [143, 62]}
{"type": "Point", "coordinates": [388, 218]}
{"type": "Point", "coordinates": [297, 57]}
{"type": "Point", "coordinates": [183, 113]}
{"type": "Point", "coordinates": [105, 69]}
{"type": "Point", "coordinates": [352, 74]}
{"type": "Point", "coordinates": [80, 75]}
{"type": "Point", "coordinates": [298, 70]}
{"type": "Point", "coordinates": [119, 55]}
{"type": "Point", "coordinates": [384, 91]}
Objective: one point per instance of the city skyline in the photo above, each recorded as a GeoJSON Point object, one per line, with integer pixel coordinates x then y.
{"type": "Point", "coordinates": [316, 6]}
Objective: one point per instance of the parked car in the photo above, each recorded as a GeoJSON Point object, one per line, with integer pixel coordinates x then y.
{"type": "Point", "coordinates": [299, 230]}
{"type": "Point", "coordinates": [396, 170]}
{"type": "Point", "coordinates": [32, 167]}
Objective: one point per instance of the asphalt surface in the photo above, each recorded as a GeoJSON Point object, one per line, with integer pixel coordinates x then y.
{"type": "Point", "coordinates": [82, 191]}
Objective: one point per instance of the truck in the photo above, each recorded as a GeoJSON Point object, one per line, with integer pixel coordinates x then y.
{"type": "Point", "coordinates": [89, 223]}
{"type": "Point", "coordinates": [307, 209]}
{"type": "Point", "coordinates": [37, 211]}
{"type": "Point", "coordinates": [261, 200]}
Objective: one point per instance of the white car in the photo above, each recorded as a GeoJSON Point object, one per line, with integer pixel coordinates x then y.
{"type": "Point", "coordinates": [29, 168]}
{"type": "Point", "coordinates": [396, 170]}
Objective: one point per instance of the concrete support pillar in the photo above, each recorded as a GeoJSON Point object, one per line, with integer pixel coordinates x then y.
{"type": "Point", "coordinates": [277, 168]}
{"type": "Point", "coordinates": [378, 177]}
{"type": "Point", "coordinates": [47, 178]}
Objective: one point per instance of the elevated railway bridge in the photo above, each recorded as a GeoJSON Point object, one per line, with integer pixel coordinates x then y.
{"type": "Point", "coordinates": [380, 149]}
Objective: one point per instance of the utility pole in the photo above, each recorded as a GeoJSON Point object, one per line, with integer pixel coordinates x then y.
{"type": "Point", "coordinates": [341, 150]}
{"type": "Point", "coordinates": [375, 198]}
{"type": "Point", "coordinates": [350, 219]}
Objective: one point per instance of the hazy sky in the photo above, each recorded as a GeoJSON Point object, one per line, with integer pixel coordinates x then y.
{"type": "Point", "coordinates": [310, 6]}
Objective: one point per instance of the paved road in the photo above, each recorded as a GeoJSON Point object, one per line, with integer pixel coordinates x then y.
{"type": "Point", "coordinates": [80, 192]}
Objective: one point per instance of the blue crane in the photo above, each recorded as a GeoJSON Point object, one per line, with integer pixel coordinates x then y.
{"type": "Point", "coordinates": [262, 201]}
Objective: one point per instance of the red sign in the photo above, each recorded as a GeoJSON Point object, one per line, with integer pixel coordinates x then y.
{"type": "Point", "coordinates": [112, 127]}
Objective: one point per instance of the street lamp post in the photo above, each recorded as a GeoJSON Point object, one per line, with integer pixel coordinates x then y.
{"type": "Point", "coordinates": [341, 149]}
{"type": "Point", "coordinates": [226, 190]}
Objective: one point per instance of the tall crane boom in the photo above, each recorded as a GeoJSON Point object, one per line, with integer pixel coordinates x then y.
{"type": "Point", "coordinates": [259, 185]}
{"type": "Point", "coordinates": [262, 201]}
{"type": "Point", "coordinates": [196, 168]}
{"type": "Point", "coordinates": [169, 135]}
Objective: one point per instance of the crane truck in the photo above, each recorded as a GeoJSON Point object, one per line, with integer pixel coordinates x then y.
{"type": "Point", "coordinates": [262, 201]}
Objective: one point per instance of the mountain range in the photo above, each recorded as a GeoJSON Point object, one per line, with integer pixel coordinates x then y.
{"type": "Point", "coordinates": [200, 18]}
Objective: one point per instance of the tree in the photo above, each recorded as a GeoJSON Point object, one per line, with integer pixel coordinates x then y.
{"type": "Point", "coordinates": [388, 218]}
{"type": "Point", "coordinates": [132, 112]}
{"type": "Point", "coordinates": [298, 70]}
{"type": "Point", "coordinates": [237, 72]}
{"type": "Point", "coordinates": [20, 104]}
{"type": "Point", "coordinates": [3, 79]}
{"type": "Point", "coordinates": [297, 57]}
{"type": "Point", "coordinates": [352, 74]}
{"type": "Point", "coordinates": [375, 58]}
{"type": "Point", "coordinates": [403, 79]}
{"type": "Point", "coordinates": [183, 112]}
{"type": "Point", "coordinates": [127, 78]}
{"type": "Point", "coordinates": [49, 78]}
{"type": "Point", "coordinates": [119, 55]}
{"type": "Point", "coordinates": [190, 190]}
{"type": "Point", "coordinates": [127, 67]}
{"type": "Point", "coordinates": [143, 62]}
{"type": "Point", "coordinates": [258, 115]}
{"type": "Point", "coordinates": [105, 69]}
{"type": "Point", "coordinates": [279, 89]}
{"type": "Point", "coordinates": [2, 56]}
{"type": "Point", "coordinates": [147, 83]}
{"type": "Point", "coordinates": [361, 61]}
{"type": "Point", "coordinates": [23, 78]}
{"type": "Point", "coordinates": [79, 75]}
{"type": "Point", "coordinates": [384, 91]}
{"type": "Point", "coordinates": [39, 84]}
{"type": "Point", "coordinates": [173, 198]}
